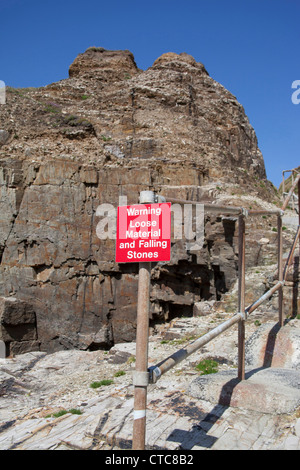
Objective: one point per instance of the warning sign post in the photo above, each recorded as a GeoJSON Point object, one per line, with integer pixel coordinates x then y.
{"type": "Point", "coordinates": [143, 236]}
{"type": "Point", "coordinates": [143, 233]}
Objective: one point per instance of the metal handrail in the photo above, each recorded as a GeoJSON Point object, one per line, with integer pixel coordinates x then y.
{"type": "Point", "coordinates": [164, 366]}
{"type": "Point", "coordinates": [291, 191]}
{"type": "Point", "coordinates": [209, 207]}
{"type": "Point", "coordinates": [295, 196]}
{"type": "Point", "coordinates": [239, 210]}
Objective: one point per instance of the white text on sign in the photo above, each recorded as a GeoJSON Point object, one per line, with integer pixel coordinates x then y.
{"type": "Point", "coordinates": [143, 233]}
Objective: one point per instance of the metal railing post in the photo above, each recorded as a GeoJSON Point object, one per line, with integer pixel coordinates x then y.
{"type": "Point", "coordinates": [241, 299]}
{"type": "Point", "coordinates": [290, 193]}
{"type": "Point", "coordinates": [280, 270]}
{"type": "Point", "coordinates": [141, 374]}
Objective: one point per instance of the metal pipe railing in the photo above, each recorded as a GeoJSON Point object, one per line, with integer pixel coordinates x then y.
{"type": "Point", "coordinates": [259, 212]}
{"type": "Point", "coordinates": [241, 297]}
{"type": "Point", "coordinates": [280, 282]}
{"type": "Point", "coordinates": [280, 270]}
{"type": "Point", "coordinates": [295, 197]}
{"type": "Point", "coordinates": [155, 372]}
{"type": "Point", "coordinates": [240, 210]}
{"type": "Point", "coordinates": [264, 297]}
{"type": "Point", "coordinates": [144, 376]}
{"type": "Point", "coordinates": [283, 181]}
{"type": "Point", "coordinates": [291, 254]}
{"type": "Point", "coordinates": [209, 207]}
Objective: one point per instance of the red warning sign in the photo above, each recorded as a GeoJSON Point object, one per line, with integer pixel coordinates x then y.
{"type": "Point", "coordinates": [144, 233]}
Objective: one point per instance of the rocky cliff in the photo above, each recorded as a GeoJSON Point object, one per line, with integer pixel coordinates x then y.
{"type": "Point", "coordinates": [111, 129]}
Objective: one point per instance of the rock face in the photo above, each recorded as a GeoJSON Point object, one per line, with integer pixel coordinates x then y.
{"type": "Point", "coordinates": [112, 130]}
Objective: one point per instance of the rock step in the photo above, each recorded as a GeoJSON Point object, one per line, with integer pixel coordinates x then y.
{"type": "Point", "coordinates": [270, 390]}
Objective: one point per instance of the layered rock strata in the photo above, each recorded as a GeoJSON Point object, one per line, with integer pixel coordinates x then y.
{"type": "Point", "coordinates": [112, 130]}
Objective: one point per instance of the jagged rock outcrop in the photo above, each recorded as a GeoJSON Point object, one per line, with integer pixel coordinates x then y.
{"type": "Point", "coordinates": [103, 65]}
{"type": "Point", "coordinates": [108, 130]}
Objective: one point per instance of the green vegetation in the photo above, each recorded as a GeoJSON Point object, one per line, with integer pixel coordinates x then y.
{"type": "Point", "coordinates": [60, 413]}
{"type": "Point", "coordinates": [119, 373]}
{"type": "Point", "coordinates": [207, 366]}
{"type": "Point", "coordinates": [105, 139]}
{"type": "Point", "coordinates": [182, 340]}
{"type": "Point", "coordinates": [74, 411]}
{"type": "Point", "coordinates": [52, 108]}
{"type": "Point", "coordinates": [74, 121]}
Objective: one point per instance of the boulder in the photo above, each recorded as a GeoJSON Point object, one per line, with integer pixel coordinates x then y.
{"type": "Point", "coordinates": [18, 330]}
{"type": "Point", "coordinates": [267, 390]}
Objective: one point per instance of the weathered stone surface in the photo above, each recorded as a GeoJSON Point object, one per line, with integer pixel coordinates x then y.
{"type": "Point", "coordinates": [262, 414]}
{"type": "Point", "coordinates": [14, 312]}
{"type": "Point", "coordinates": [272, 346]}
{"type": "Point", "coordinates": [203, 308]}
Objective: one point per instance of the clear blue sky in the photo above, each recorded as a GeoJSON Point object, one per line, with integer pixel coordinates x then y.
{"type": "Point", "coordinates": [250, 46]}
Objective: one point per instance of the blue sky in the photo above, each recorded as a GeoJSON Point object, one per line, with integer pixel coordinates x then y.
{"type": "Point", "coordinates": [250, 47]}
